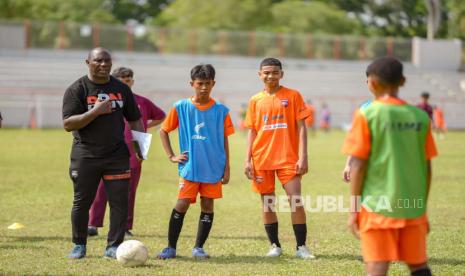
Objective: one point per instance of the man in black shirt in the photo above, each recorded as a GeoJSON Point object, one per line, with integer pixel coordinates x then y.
{"type": "Point", "coordinates": [94, 108]}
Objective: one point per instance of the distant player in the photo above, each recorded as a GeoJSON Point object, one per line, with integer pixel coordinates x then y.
{"type": "Point", "coordinates": [393, 185]}
{"type": "Point", "coordinates": [277, 145]}
{"type": "Point", "coordinates": [325, 121]}
{"type": "Point", "coordinates": [204, 126]}
{"type": "Point", "coordinates": [439, 122]}
{"type": "Point", "coordinates": [152, 116]}
{"type": "Point", "coordinates": [424, 104]}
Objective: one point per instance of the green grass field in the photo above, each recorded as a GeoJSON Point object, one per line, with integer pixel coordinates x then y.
{"type": "Point", "coordinates": [35, 190]}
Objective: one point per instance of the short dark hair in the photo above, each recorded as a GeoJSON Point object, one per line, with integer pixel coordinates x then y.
{"type": "Point", "coordinates": [271, 62]}
{"type": "Point", "coordinates": [203, 72]}
{"type": "Point", "coordinates": [122, 72]}
{"type": "Point", "coordinates": [425, 95]}
{"type": "Point", "coordinates": [388, 70]}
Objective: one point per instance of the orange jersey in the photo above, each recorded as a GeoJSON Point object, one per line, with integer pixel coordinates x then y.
{"type": "Point", "coordinates": [311, 118]}
{"type": "Point", "coordinates": [439, 118]}
{"type": "Point", "coordinates": [172, 121]}
{"type": "Point", "coordinates": [274, 118]}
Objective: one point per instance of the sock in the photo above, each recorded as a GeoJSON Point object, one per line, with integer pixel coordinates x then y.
{"type": "Point", "coordinates": [422, 272]}
{"type": "Point", "coordinates": [300, 232]}
{"type": "Point", "coordinates": [175, 227]}
{"type": "Point", "coordinates": [272, 232]}
{"type": "Point", "coordinates": [205, 224]}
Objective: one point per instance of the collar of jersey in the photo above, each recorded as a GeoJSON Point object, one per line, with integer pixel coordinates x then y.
{"type": "Point", "coordinates": [268, 94]}
{"type": "Point", "coordinates": [391, 100]}
{"type": "Point", "coordinates": [203, 106]}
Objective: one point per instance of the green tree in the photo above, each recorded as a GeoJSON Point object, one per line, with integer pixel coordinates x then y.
{"type": "Point", "coordinates": [138, 10]}
{"type": "Point", "coordinates": [311, 16]}
{"type": "Point", "coordinates": [393, 17]}
{"type": "Point", "coordinates": [73, 10]}
{"type": "Point", "coordinates": [456, 24]}
{"type": "Point", "coordinates": [216, 14]}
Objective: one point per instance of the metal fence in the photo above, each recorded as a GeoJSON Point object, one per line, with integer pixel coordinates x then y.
{"type": "Point", "coordinates": [70, 35]}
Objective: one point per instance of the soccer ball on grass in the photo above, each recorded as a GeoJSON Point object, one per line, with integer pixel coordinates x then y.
{"type": "Point", "coordinates": [132, 253]}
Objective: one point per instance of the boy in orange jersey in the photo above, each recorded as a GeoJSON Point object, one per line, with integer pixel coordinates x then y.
{"type": "Point", "coordinates": [439, 122]}
{"type": "Point", "coordinates": [391, 146]}
{"type": "Point", "coordinates": [277, 145]}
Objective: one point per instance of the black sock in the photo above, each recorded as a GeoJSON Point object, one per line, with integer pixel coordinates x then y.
{"type": "Point", "coordinates": [300, 232]}
{"type": "Point", "coordinates": [205, 224]}
{"type": "Point", "coordinates": [272, 232]}
{"type": "Point", "coordinates": [422, 272]}
{"type": "Point", "coordinates": [175, 227]}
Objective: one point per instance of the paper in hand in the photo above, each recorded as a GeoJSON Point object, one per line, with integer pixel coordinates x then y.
{"type": "Point", "coordinates": [143, 142]}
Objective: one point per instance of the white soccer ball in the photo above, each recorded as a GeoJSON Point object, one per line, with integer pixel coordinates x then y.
{"type": "Point", "coordinates": [132, 253]}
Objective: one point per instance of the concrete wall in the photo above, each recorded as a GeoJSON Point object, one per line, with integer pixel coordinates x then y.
{"type": "Point", "coordinates": [12, 36]}
{"type": "Point", "coordinates": [438, 54]}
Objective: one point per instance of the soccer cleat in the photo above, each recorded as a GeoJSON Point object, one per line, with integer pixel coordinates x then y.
{"type": "Point", "coordinates": [92, 231]}
{"type": "Point", "coordinates": [199, 253]}
{"type": "Point", "coordinates": [78, 252]}
{"type": "Point", "coordinates": [110, 252]}
{"type": "Point", "coordinates": [304, 253]}
{"type": "Point", "coordinates": [129, 233]}
{"type": "Point", "coordinates": [275, 251]}
{"type": "Point", "coordinates": [167, 253]}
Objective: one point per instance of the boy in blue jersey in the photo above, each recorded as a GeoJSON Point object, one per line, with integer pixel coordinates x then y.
{"type": "Point", "coordinates": [203, 163]}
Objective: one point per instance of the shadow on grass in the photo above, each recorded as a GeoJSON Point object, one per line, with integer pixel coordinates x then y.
{"type": "Point", "coordinates": [340, 257]}
{"type": "Point", "coordinates": [445, 261]}
{"type": "Point", "coordinates": [20, 246]}
{"type": "Point", "coordinates": [36, 238]}
{"type": "Point", "coordinates": [232, 259]}
{"type": "Point", "coordinates": [214, 237]}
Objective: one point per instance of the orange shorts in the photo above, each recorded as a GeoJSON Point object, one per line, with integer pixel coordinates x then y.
{"type": "Point", "coordinates": [264, 182]}
{"type": "Point", "coordinates": [188, 189]}
{"type": "Point", "coordinates": [407, 244]}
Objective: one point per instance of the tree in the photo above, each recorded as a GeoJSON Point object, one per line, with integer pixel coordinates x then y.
{"type": "Point", "coordinates": [457, 19]}
{"type": "Point", "coordinates": [216, 14]}
{"type": "Point", "coordinates": [138, 10]}
{"type": "Point", "coordinates": [315, 17]}
{"type": "Point", "coordinates": [73, 10]}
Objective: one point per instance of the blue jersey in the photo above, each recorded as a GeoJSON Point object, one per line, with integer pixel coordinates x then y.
{"type": "Point", "coordinates": [201, 135]}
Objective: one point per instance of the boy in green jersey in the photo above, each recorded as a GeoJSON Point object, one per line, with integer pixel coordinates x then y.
{"type": "Point", "coordinates": [391, 146]}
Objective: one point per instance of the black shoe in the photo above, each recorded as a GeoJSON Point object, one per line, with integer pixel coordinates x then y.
{"type": "Point", "coordinates": [92, 231]}
{"type": "Point", "coordinates": [128, 233]}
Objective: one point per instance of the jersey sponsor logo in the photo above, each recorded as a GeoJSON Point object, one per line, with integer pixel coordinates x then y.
{"type": "Point", "coordinates": [115, 98]}
{"type": "Point", "coordinates": [403, 126]}
{"type": "Point", "coordinates": [285, 102]}
{"type": "Point", "coordinates": [197, 135]}
{"type": "Point", "coordinates": [274, 126]}
{"type": "Point", "coordinates": [274, 117]}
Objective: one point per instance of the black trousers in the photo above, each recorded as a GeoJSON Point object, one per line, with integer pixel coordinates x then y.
{"type": "Point", "coordinates": [86, 174]}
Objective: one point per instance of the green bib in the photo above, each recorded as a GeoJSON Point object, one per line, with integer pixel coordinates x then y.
{"type": "Point", "coordinates": [395, 180]}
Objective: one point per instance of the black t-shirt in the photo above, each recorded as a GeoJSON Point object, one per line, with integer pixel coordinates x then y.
{"type": "Point", "coordinates": [104, 136]}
